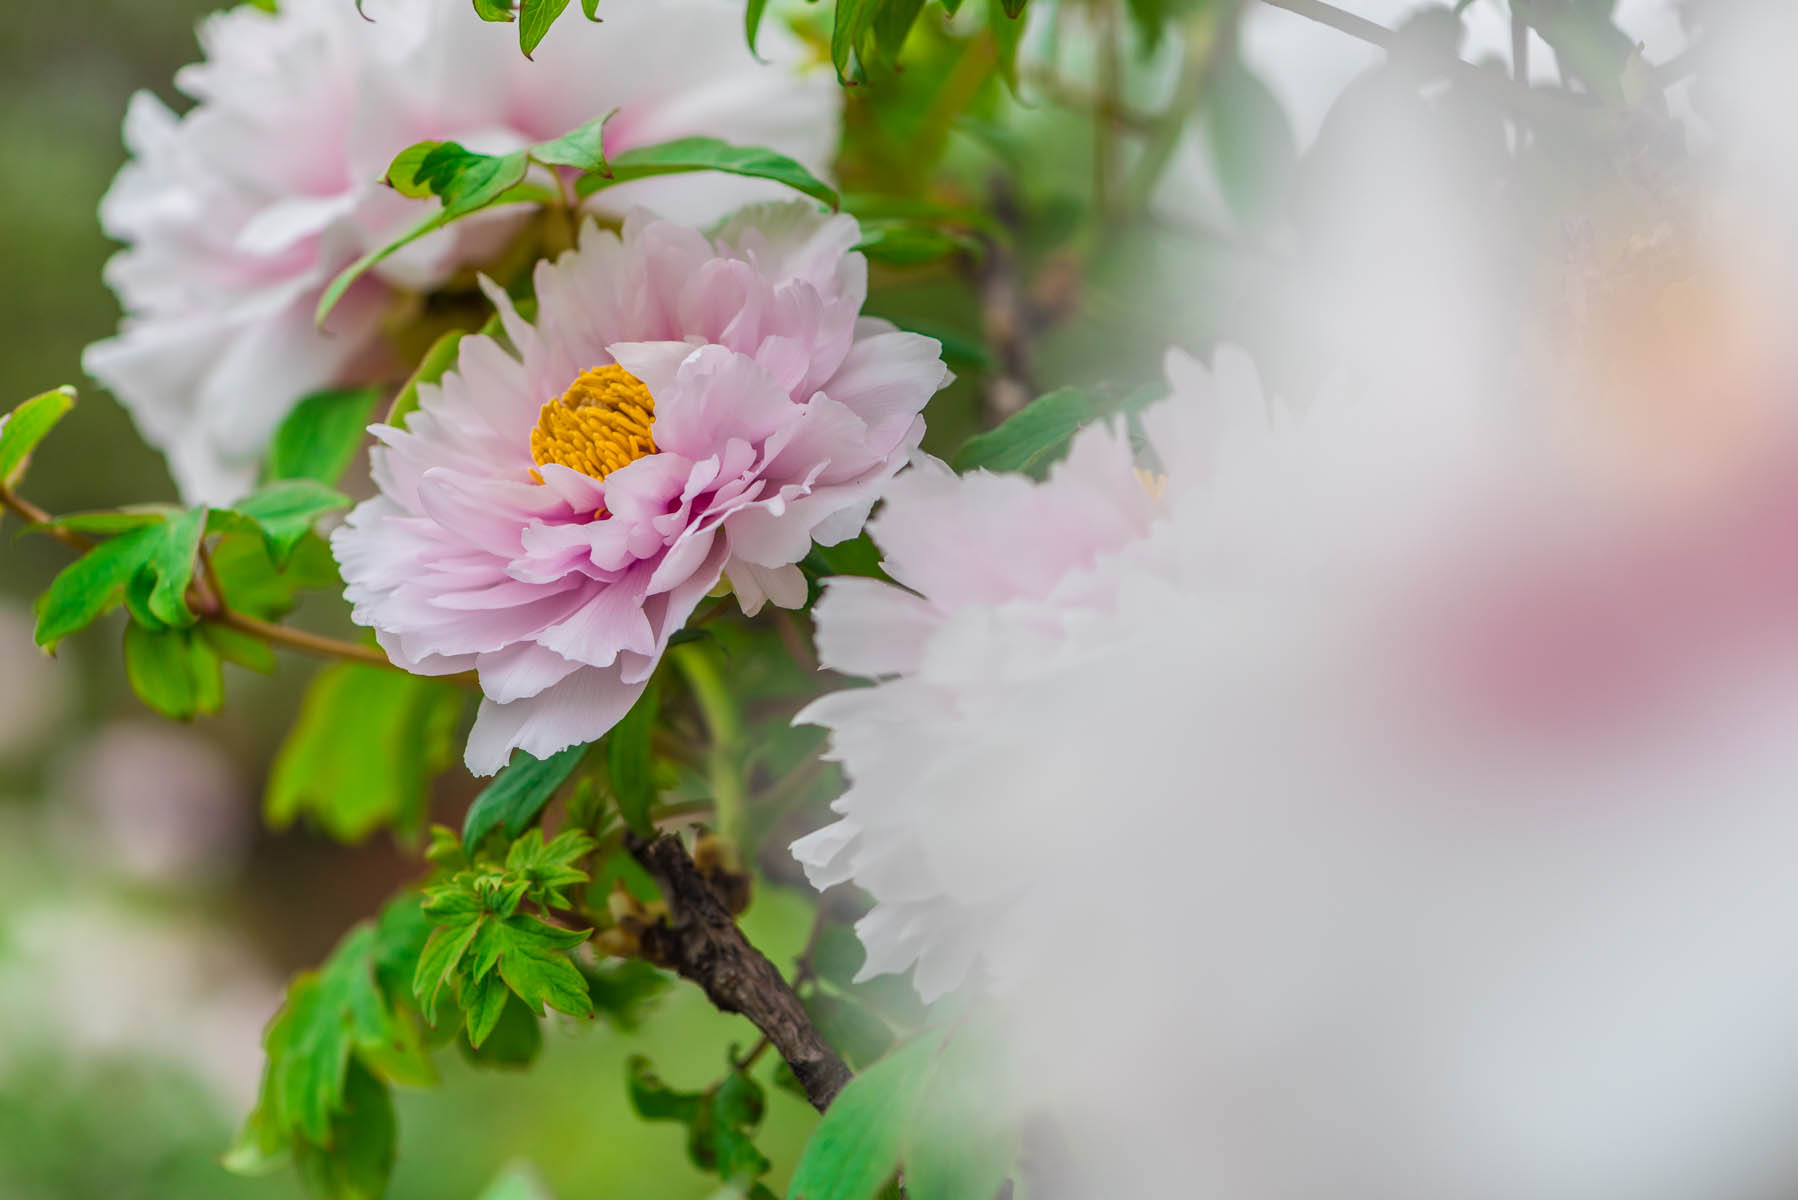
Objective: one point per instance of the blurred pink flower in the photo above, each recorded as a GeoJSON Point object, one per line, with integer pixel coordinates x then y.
{"type": "Point", "coordinates": [683, 409]}
{"type": "Point", "coordinates": [238, 213]}
{"type": "Point", "coordinates": [993, 611]}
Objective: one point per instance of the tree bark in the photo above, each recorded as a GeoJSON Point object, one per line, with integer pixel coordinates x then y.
{"type": "Point", "coordinates": [700, 940]}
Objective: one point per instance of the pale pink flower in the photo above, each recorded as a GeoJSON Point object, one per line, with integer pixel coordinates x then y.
{"type": "Point", "coordinates": [238, 213]}
{"type": "Point", "coordinates": [682, 409]}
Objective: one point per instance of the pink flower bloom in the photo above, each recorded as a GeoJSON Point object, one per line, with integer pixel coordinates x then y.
{"type": "Point", "coordinates": [682, 409]}
{"type": "Point", "coordinates": [238, 213]}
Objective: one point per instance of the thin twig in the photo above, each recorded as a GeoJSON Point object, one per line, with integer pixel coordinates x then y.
{"type": "Point", "coordinates": [701, 942]}
{"type": "Point", "coordinates": [31, 514]}
{"type": "Point", "coordinates": [1546, 106]}
{"type": "Point", "coordinates": [306, 643]}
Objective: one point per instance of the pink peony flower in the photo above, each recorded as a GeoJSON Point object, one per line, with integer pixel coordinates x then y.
{"type": "Point", "coordinates": [238, 213]}
{"type": "Point", "coordinates": [682, 409]}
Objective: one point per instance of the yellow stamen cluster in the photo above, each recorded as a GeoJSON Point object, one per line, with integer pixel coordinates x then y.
{"type": "Point", "coordinates": [602, 422]}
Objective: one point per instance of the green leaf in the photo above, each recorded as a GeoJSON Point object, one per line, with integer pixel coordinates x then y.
{"type": "Point", "coordinates": [623, 992]}
{"type": "Point", "coordinates": [907, 243]}
{"type": "Point", "coordinates": [23, 428]}
{"type": "Point", "coordinates": [857, 1146]}
{"type": "Point", "coordinates": [251, 581]}
{"type": "Point", "coordinates": [361, 756]}
{"type": "Point", "coordinates": [851, 23]}
{"type": "Point", "coordinates": [515, 1038]}
{"type": "Point", "coordinates": [1251, 142]}
{"type": "Point", "coordinates": [357, 1160]}
{"type": "Point", "coordinates": [708, 154]}
{"type": "Point", "coordinates": [533, 960]}
{"type": "Point", "coordinates": [318, 439]}
{"type": "Point", "coordinates": [851, 1028]}
{"type": "Point", "coordinates": [959, 1144]}
{"type": "Point", "coordinates": [442, 953]}
{"type": "Point", "coordinates": [548, 868]}
{"type": "Point", "coordinates": [630, 762]}
{"type": "Point", "coordinates": [435, 364]}
{"type": "Point", "coordinates": [92, 585]}
{"type": "Point", "coordinates": [591, 9]}
{"type": "Point", "coordinates": [493, 10]}
{"type": "Point", "coordinates": [752, 22]}
{"type": "Point", "coordinates": [330, 1017]}
{"type": "Point", "coordinates": [246, 651]}
{"type": "Point", "coordinates": [174, 671]}
{"type": "Point", "coordinates": [892, 25]}
{"type": "Point", "coordinates": [654, 1100]}
{"type": "Point", "coordinates": [402, 172]}
{"type": "Point", "coordinates": [467, 182]}
{"type": "Point", "coordinates": [1033, 436]}
{"type": "Point", "coordinates": [582, 148]}
{"type": "Point", "coordinates": [518, 793]}
{"type": "Point", "coordinates": [534, 19]}
{"type": "Point", "coordinates": [285, 512]}
{"type": "Point", "coordinates": [170, 568]}
{"type": "Point", "coordinates": [484, 1000]}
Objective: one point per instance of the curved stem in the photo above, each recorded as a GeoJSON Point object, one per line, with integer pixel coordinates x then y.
{"type": "Point", "coordinates": [31, 514]}
{"type": "Point", "coordinates": [298, 639]}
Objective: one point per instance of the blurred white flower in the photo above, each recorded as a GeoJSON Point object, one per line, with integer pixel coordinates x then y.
{"type": "Point", "coordinates": [37, 688]}
{"type": "Point", "coordinates": [154, 803]}
{"type": "Point", "coordinates": [91, 979]}
{"type": "Point", "coordinates": [238, 213]}
{"type": "Point", "coordinates": [1260, 911]}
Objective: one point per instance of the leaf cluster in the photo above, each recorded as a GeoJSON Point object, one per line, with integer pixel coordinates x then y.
{"type": "Point", "coordinates": [721, 1122]}
{"type": "Point", "coordinates": [484, 948]}
{"type": "Point", "coordinates": [467, 182]}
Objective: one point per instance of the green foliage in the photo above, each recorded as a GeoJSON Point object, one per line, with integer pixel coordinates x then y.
{"type": "Point", "coordinates": [515, 1040]}
{"type": "Point", "coordinates": [157, 594]}
{"type": "Point", "coordinates": [337, 1041]}
{"type": "Point", "coordinates": [547, 868]}
{"type": "Point", "coordinates": [859, 1143]}
{"type": "Point", "coordinates": [484, 948]}
{"type": "Point", "coordinates": [910, 242]}
{"type": "Point", "coordinates": [518, 793]}
{"type": "Point", "coordinates": [1252, 143]}
{"type": "Point", "coordinates": [253, 583]}
{"type": "Point", "coordinates": [705, 154]}
{"type": "Point", "coordinates": [630, 762]}
{"type": "Point", "coordinates": [177, 672]}
{"type": "Point", "coordinates": [930, 1108]}
{"type": "Point", "coordinates": [467, 182]}
{"type": "Point", "coordinates": [623, 992]}
{"type": "Point", "coordinates": [721, 1121]}
{"type": "Point", "coordinates": [534, 19]}
{"type": "Point", "coordinates": [363, 752]}
{"type": "Point", "coordinates": [1034, 437]}
{"type": "Point", "coordinates": [286, 511]}
{"type": "Point", "coordinates": [23, 428]}
{"type": "Point", "coordinates": [318, 439]}
{"type": "Point", "coordinates": [95, 583]}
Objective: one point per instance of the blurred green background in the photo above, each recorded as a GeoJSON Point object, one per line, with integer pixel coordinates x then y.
{"type": "Point", "coordinates": [146, 922]}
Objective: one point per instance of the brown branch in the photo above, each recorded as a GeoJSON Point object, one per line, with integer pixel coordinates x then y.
{"type": "Point", "coordinates": [31, 514]}
{"type": "Point", "coordinates": [701, 942]}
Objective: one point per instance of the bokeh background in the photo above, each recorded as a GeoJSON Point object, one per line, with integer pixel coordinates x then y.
{"type": "Point", "coordinates": [147, 922]}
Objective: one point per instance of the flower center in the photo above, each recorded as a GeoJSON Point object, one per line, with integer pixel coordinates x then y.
{"type": "Point", "coordinates": [602, 422]}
